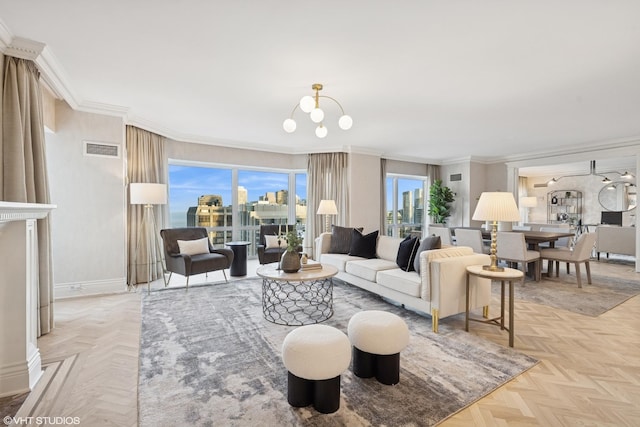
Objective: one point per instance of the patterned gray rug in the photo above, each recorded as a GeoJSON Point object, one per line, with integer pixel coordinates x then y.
{"type": "Point", "coordinates": [562, 292]}
{"type": "Point", "coordinates": [208, 358]}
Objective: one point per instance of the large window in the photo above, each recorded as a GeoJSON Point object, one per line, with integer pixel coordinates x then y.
{"type": "Point", "coordinates": [232, 203]}
{"type": "Point", "coordinates": [406, 204]}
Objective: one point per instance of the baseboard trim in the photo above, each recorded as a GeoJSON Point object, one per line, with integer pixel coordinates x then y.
{"type": "Point", "coordinates": [95, 287]}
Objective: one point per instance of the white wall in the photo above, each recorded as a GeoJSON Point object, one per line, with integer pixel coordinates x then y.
{"type": "Point", "coordinates": [88, 227]}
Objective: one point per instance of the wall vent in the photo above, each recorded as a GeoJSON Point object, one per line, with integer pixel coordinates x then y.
{"type": "Point", "coordinates": [101, 149]}
{"type": "Point", "coordinates": [544, 184]}
{"type": "Point", "coordinates": [455, 177]}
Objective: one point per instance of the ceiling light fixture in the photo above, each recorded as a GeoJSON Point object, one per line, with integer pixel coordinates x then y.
{"type": "Point", "coordinates": [311, 105]}
{"type": "Point", "coordinates": [592, 172]}
{"type": "Point", "coordinates": [626, 175]}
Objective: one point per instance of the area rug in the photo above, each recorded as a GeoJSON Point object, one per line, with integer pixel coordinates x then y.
{"type": "Point", "coordinates": [562, 292]}
{"type": "Point", "coordinates": [209, 358]}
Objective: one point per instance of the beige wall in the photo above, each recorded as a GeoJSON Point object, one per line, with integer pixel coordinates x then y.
{"type": "Point", "coordinates": [88, 227]}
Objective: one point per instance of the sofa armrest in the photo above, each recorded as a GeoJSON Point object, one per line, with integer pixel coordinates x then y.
{"type": "Point", "coordinates": [322, 244]}
{"type": "Point", "coordinates": [448, 285]}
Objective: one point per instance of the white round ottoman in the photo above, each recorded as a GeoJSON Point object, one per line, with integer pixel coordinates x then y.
{"type": "Point", "coordinates": [315, 356]}
{"type": "Point", "coordinates": [377, 338]}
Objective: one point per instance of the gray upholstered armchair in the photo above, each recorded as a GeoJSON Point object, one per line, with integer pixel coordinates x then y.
{"type": "Point", "coordinates": [267, 254]}
{"type": "Point", "coordinates": [196, 263]}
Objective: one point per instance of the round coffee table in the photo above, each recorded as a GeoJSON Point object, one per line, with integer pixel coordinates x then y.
{"type": "Point", "coordinates": [296, 299]}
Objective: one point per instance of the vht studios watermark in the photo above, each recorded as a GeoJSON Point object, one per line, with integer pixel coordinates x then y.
{"type": "Point", "coordinates": [38, 421]}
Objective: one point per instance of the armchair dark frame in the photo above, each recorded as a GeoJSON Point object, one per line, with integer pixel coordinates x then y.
{"type": "Point", "coordinates": [266, 256]}
{"type": "Point", "coordinates": [188, 265]}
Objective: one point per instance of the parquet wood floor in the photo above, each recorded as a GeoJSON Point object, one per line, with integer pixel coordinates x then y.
{"type": "Point", "coordinates": [588, 375]}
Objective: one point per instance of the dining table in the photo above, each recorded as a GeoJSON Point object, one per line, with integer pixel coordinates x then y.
{"type": "Point", "coordinates": [532, 238]}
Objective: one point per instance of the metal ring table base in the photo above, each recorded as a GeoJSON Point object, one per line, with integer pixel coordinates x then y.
{"type": "Point", "coordinates": [297, 303]}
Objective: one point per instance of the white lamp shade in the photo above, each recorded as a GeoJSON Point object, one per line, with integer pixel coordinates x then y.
{"type": "Point", "coordinates": [307, 103]}
{"type": "Point", "coordinates": [321, 131]}
{"type": "Point", "coordinates": [528, 202]}
{"type": "Point", "coordinates": [317, 115]}
{"type": "Point", "coordinates": [289, 125]}
{"type": "Point", "coordinates": [496, 206]}
{"type": "Point", "coordinates": [327, 207]}
{"type": "Point", "coordinates": [145, 193]}
{"type": "Point", "coordinates": [345, 122]}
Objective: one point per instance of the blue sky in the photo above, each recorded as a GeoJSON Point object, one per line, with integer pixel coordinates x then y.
{"type": "Point", "coordinates": [187, 183]}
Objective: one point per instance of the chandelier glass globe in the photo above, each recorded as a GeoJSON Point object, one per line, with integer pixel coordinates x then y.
{"type": "Point", "coordinates": [307, 103]}
{"type": "Point", "coordinates": [317, 115]}
{"type": "Point", "coordinates": [321, 131]}
{"type": "Point", "coordinates": [289, 125]}
{"type": "Point", "coordinates": [345, 122]}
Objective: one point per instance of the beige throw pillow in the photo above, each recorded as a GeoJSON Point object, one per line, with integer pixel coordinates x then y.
{"type": "Point", "coordinates": [194, 247]}
{"type": "Point", "coordinates": [272, 242]}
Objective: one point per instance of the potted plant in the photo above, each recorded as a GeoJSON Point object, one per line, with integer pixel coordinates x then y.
{"type": "Point", "coordinates": [290, 261]}
{"type": "Point", "coordinates": [440, 196]}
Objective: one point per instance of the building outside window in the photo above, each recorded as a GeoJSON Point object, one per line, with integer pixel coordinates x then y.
{"type": "Point", "coordinates": [232, 203]}
{"type": "Point", "coordinates": [406, 204]}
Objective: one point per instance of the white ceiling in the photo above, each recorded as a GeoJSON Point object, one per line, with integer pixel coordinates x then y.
{"type": "Point", "coordinates": [425, 80]}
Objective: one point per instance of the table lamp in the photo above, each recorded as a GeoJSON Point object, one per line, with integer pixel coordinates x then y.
{"type": "Point", "coordinates": [496, 206]}
{"type": "Point", "coordinates": [326, 208]}
{"type": "Point", "coordinates": [528, 202]}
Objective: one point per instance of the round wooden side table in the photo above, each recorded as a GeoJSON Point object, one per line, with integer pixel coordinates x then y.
{"type": "Point", "coordinates": [507, 275]}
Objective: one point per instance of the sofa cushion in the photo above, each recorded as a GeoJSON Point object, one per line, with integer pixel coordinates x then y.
{"type": "Point", "coordinates": [368, 268]}
{"type": "Point", "coordinates": [407, 253]}
{"type": "Point", "coordinates": [341, 239]}
{"type": "Point", "coordinates": [427, 244]}
{"type": "Point", "coordinates": [407, 282]}
{"type": "Point", "coordinates": [363, 245]}
{"type": "Point", "coordinates": [387, 247]}
{"type": "Point", "coordinates": [339, 261]}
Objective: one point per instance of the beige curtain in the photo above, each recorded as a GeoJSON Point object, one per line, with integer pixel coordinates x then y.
{"type": "Point", "coordinates": [146, 162]}
{"type": "Point", "coordinates": [23, 164]}
{"type": "Point", "coordinates": [327, 178]}
{"type": "Point", "coordinates": [383, 197]}
{"type": "Point", "coordinates": [433, 172]}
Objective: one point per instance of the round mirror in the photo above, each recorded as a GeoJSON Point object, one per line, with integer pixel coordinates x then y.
{"type": "Point", "coordinates": [618, 196]}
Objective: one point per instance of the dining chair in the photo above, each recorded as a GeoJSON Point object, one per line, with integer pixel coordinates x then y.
{"type": "Point", "coordinates": [581, 253]}
{"type": "Point", "coordinates": [473, 239]}
{"type": "Point", "coordinates": [512, 248]}
{"type": "Point", "coordinates": [561, 243]}
{"type": "Point", "coordinates": [443, 232]}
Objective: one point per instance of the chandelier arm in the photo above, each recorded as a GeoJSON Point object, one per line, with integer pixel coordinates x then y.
{"type": "Point", "coordinates": [334, 100]}
{"type": "Point", "coordinates": [293, 111]}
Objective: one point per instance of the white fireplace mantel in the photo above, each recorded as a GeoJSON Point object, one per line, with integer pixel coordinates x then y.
{"type": "Point", "coordinates": [20, 364]}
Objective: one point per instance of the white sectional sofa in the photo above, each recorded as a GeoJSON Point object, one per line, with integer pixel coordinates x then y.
{"type": "Point", "coordinates": [438, 290]}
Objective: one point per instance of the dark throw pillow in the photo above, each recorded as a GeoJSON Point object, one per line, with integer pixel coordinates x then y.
{"type": "Point", "coordinates": [428, 243]}
{"type": "Point", "coordinates": [407, 253]}
{"type": "Point", "coordinates": [363, 245]}
{"type": "Point", "coordinates": [341, 239]}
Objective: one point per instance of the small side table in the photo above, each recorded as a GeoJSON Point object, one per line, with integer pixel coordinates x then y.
{"type": "Point", "coordinates": [508, 275]}
{"type": "Point", "coordinates": [239, 263]}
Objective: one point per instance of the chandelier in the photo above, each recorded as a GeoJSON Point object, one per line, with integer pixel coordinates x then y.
{"type": "Point", "coordinates": [592, 172]}
{"type": "Point", "coordinates": [311, 105]}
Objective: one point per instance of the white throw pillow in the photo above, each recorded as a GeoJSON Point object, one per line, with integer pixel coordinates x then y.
{"type": "Point", "coordinates": [272, 242]}
{"type": "Point", "coordinates": [194, 247]}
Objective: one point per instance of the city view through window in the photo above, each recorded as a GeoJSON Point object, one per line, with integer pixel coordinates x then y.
{"type": "Point", "coordinates": [204, 197]}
